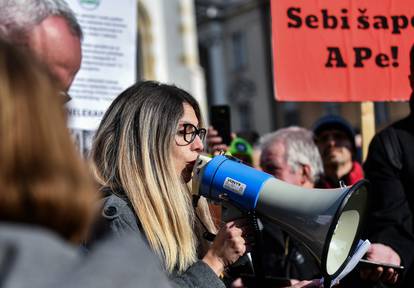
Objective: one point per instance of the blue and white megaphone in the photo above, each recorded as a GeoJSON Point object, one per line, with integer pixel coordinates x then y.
{"type": "Point", "coordinates": [326, 221]}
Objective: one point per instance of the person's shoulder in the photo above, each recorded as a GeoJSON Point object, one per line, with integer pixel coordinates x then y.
{"type": "Point", "coordinates": [32, 256]}
{"type": "Point", "coordinates": [120, 261]}
{"type": "Point", "coordinates": [395, 131]}
{"type": "Point", "coordinates": [115, 206]}
{"type": "Point", "coordinates": [28, 237]}
{"type": "Point", "coordinates": [404, 124]}
{"type": "Point", "coordinates": [116, 217]}
{"type": "Point", "coordinates": [117, 210]}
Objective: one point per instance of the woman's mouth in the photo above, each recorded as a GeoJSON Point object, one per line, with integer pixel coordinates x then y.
{"type": "Point", "coordinates": [190, 166]}
{"type": "Point", "coordinates": [188, 171]}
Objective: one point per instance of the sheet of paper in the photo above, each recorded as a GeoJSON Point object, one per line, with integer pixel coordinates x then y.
{"type": "Point", "coordinates": [360, 251]}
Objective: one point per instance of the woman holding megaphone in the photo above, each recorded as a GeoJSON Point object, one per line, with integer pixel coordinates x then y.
{"type": "Point", "coordinates": [143, 156]}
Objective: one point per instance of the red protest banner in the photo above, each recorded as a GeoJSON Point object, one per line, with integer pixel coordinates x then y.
{"type": "Point", "coordinates": [342, 50]}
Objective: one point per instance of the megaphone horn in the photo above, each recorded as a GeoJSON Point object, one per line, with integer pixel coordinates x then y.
{"type": "Point", "coordinates": [326, 221]}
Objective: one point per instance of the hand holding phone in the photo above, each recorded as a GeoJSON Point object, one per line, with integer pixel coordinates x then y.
{"type": "Point", "coordinates": [220, 120]}
{"type": "Point", "coordinates": [364, 263]}
{"type": "Point", "coordinates": [374, 271]}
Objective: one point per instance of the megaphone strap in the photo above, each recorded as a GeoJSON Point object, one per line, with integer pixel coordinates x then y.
{"type": "Point", "coordinates": [206, 234]}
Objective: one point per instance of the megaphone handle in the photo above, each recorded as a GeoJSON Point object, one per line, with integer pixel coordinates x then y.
{"type": "Point", "coordinates": [230, 212]}
{"type": "Point", "coordinates": [257, 251]}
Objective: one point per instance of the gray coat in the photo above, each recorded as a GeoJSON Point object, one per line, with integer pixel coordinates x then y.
{"type": "Point", "coordinates": [118, 218]}
{"type": "Point", "coordinates": [33, 257]}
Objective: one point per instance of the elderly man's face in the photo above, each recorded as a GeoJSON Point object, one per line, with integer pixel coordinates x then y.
{"type": "Point", "coordinates": [273, 162]}
{"type": "Point", "coordinates": [54, 44]}
{"type": "Point", "coordinates": [335, 147]}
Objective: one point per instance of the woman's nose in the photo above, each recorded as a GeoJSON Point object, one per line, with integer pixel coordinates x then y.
{"type": "Point", "coordinates": [197, 144]}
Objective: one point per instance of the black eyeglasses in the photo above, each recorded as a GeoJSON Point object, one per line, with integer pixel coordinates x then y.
{"type": "Point", "coordinates": [189, 133]}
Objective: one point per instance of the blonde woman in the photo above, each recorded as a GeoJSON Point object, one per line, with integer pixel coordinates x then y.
{"type": "Point", "coordinates": [143, 155]}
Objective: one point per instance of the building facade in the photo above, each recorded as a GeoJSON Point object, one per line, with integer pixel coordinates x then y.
{"type": "Point", "coordinates": [167, 45]}
{"type": "Point", "coordinates": [235, 49]}
{"type": "Point", "coordinates": [234, 53]}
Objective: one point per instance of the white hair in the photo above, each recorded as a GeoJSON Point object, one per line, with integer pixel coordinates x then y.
{"type": "Point", "coordinates": [19, 17]}
{"type": "Point", "coordinates": [300, 148]}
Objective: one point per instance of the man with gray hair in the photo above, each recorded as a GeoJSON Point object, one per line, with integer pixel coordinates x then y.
{"type": "Point", "coordinates": [49, 30]}
{"type": "Point", "coordinates": [289, 154]}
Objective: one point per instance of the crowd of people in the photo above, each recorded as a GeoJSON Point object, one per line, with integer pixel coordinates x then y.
{"type": "Point", "coordinates": [127, 217]}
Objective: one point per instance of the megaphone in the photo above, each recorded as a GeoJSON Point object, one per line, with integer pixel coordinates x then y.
{"type": "Point", "coordinates": [326, 221]}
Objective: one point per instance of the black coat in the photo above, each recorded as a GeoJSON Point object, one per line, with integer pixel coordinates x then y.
{"type": "Point", "coordinates": [390, 169]}
{"type": "Point", "coordinates": [286, 257]}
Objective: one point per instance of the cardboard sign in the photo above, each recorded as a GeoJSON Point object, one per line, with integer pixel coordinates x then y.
{"type": "Point", "coordinates": [342, 50]}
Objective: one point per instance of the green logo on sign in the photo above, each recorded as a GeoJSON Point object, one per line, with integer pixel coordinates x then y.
{"type": "Point", "coordinates": [89, 4]}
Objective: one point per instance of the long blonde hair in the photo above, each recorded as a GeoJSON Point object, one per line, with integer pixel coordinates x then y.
{"type": "Point", "coordinates": [42, 178]}
{"type": "Point", "coordinates": [132, 153]}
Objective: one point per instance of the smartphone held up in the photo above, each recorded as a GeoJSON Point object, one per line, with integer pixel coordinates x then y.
{"type": "Point", "coordinates": [220, 120]}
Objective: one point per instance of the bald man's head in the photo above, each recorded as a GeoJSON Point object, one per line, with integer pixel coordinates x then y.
{"type": "Point", "coordinates": [54, 43]}
{"type": "Point", "coordinates": [48, 29]}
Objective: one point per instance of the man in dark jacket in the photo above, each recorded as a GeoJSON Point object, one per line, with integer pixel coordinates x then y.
{"type": "Point", "coordinates": [390, 169]}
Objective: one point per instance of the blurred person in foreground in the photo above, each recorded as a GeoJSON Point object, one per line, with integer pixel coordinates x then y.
{"type": "Point", "coordinates": [290, 155]}
{"type": "Point", "coordinates": [49, 30]}
{"type": "Point", "coordinates": [46, 195]}
{"type": "Point", "coordinates": [390, 168]}
{"type": "Point", "coordinates": [335, 139]}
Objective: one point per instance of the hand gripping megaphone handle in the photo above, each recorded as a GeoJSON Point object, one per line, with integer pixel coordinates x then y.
{"type": "Point", "coordinates": [231, 212]}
